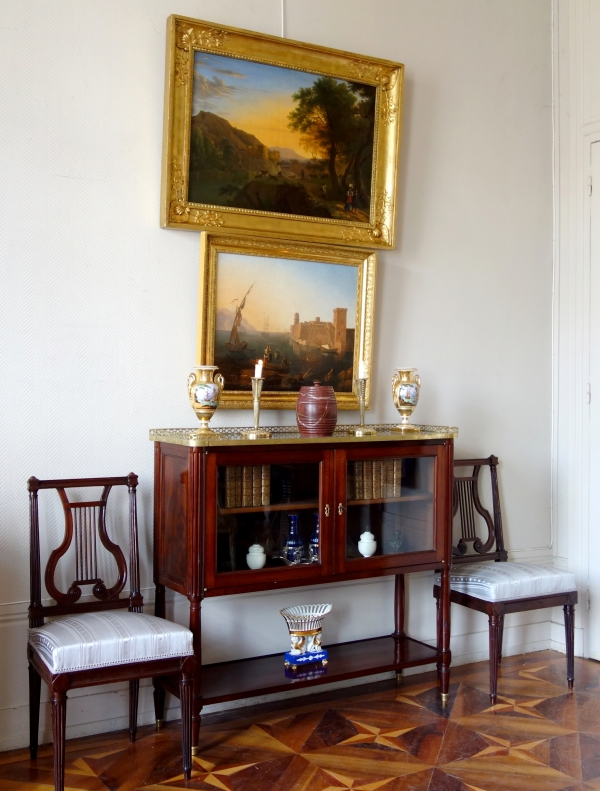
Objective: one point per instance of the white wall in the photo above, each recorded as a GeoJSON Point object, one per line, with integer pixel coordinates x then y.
{"type": "Point", "coordinates": [99, 304]}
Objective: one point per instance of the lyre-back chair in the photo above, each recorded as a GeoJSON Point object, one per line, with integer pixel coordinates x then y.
{"type": "Point", "coordinates": [499, 587]}
{"type": "Point", "coordinates": [104, 637]}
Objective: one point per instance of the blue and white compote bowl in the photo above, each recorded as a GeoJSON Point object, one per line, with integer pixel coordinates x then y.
{"type": "Point", "coordinates": [305, 624]}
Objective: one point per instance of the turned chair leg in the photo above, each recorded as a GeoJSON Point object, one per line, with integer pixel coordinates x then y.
{"type": "Point", "coordinates": [185, 692]}
{"type": "Point", "coordinates": [494, 621]}
{"type": "Point", "coordinates": [159, 702]}
{"type": "Point", "coordinates": [134, 692]}
{"type": "Point", "coordinates": [569, 610]}
{"type": "Point", "coordinates": [500, 636]}
{"type": "Point", "coordinates": [59, 721]}
{"type": "Point", "coordinates": [35, 688]}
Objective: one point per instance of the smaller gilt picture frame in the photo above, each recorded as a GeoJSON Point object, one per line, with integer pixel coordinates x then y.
{"type": "Point", "coordinates": [306, 311]}
{"type": "Point", "coordinates": [265, 135]}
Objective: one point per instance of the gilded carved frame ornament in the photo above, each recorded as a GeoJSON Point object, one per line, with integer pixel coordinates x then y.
{"type": "Point", "coordinates": [216, 312]}
{"type": "Point", "coordinates": [374, 227]}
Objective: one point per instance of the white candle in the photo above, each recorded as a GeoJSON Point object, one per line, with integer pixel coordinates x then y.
{"type": "Point", "coordinates": [258, 369]}
{"type": "Point", "coordinates": [362, 370]}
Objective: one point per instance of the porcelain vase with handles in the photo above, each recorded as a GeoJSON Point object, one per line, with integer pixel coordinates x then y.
{"type": "Point", "coordinates": [204, 391]}
{"type": "Point", "coordinates": [406, 384]}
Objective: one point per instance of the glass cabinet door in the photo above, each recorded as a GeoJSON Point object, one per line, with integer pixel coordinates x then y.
{"type": "Point", "coordinates": [267, 520]}
{"type": "Point", "coordinates": [389, 507]}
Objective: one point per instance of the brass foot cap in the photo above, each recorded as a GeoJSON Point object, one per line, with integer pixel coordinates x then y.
{"type": "Point", "coordinates": [256, 434]}
{"type": "Point", "coordinates": [406, 427]}
{"type": "Point", "coordinates": [445, 696]}
{"type": "Point", "coordinates": [194, 750]}
{"type": "Point", "coordinates": [159, 724]}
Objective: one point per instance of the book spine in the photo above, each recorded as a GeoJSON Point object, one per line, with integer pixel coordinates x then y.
{"type": "Point", "coordinates": [229, 487]}
{"type": "Point", "coordinates": [238, 487]}
{"type": "Point", "coordinates": [376, 479]}
{"type": "Point", "coordinates": [397, 477]}
{"type": "Point", "coordinates": [266, 484]}
{"type": "Point", "coordinates": [246, 486]}
{"type": "Point", "coordinates": [368, 480]}
{"type": "Point", "coordinates": [389, 477]}
{"type": "Point", "coordinates": [358, 478]}
{"type": "Point", "coordinates": [257, 485]}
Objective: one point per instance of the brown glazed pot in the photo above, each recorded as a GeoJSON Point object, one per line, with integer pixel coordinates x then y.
{"type": "Point", "coordinates": [316, 410]}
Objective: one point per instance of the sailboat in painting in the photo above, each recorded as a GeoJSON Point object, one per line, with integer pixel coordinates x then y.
{"type": "Point", "coordinates": [235, 343]}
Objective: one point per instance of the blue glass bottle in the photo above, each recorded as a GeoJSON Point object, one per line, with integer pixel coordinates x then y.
{"type": "Point", "coordinates": [293, 544]}
{"type": "Point", "coordinates": [313, 544]}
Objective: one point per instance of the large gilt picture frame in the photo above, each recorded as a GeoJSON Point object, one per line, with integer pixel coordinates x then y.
{"type": "Point", "coordinates": [264, 135]}
{"type": "Point", "coordinates": [305, 310]}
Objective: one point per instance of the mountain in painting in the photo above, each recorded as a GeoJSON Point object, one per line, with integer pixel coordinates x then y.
{"type": "Point", "coordinates": [217, 129]}
{"type": "Point", "coordinates": [217, 142]}
{"type": "Point", "coordinates": [288, 154]}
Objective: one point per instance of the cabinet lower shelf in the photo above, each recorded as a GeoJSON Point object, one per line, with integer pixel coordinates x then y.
{"type": "Point", "coordinates": [244, 678]}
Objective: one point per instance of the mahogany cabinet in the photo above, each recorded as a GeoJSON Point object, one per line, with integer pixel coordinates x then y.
{"type": "Point", "coordinates": [215, 496]}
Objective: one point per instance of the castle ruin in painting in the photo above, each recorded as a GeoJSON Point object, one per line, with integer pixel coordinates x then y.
{"type": "Point", "coordinates": [324, 335]}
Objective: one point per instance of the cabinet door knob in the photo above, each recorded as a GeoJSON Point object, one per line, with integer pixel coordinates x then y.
{"type": "Point", "coordinates": [327, 510]}
{"type": "Point", "coordinates": [341, 509]}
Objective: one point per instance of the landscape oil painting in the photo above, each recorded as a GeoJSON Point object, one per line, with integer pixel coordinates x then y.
{"type": "Point", "coordinates": [280, 140]}
{"type": "Point", "coordinates": [301, 311]}
{"type": "Point", "coordinates": [278, 137]}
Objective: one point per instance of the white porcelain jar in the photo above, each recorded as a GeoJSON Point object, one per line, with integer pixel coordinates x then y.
{"type": "Point", "coordinates": [367, 544]}
{"type": "Point", "coordinates": [256, 557]}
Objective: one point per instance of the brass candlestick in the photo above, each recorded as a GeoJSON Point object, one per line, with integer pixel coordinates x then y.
{"type": "Point", "coordinates": [362, 430]}
{"type": "Point", "coordinates": [256, 433]}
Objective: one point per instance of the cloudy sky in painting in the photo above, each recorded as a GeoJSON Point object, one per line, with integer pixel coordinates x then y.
{"type": "Point", "coordinates": [252, 96]}
{"type": "Point", "coordinates": [283, 287]}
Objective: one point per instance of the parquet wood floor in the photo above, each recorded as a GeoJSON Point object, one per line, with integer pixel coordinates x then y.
{"type": "Point", "coordinates": [538, 737]}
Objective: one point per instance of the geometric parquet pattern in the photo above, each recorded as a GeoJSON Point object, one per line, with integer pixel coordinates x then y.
{"type": "Point", "coordinates": [539, 736]}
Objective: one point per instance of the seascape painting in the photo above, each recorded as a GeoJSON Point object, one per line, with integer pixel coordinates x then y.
{"type": "Point", "coordinates": [297, 316]}
{"type": "Point", "coordinates": [275, 139]}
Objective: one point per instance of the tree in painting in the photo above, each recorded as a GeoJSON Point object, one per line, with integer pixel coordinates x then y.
{"type": "Point", "coordinates": [336, 119]}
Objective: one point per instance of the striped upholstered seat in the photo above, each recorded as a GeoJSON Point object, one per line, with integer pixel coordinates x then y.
{"type": "Point", "coordinates": [99, 639]}
{"type": "Point", "coordinates": [505, 581]}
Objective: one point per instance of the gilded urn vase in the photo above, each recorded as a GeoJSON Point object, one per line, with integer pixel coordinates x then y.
{"type": "Point", "coordinates": [204, 391]}
{"type": "Point", "coordinates": [406, 383]}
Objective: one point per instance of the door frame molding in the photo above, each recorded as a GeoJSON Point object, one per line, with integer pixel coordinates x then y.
{"type": "Point", "coordinates": [576, 128]}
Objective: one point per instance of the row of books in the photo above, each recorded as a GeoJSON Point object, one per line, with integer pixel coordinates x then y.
{"type": "Point", "coordinates": [376, 479]}
{"type": "Point", "coordinates": [248, 485]}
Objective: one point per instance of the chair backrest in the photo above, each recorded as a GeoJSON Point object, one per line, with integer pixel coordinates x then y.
{"type": "Point", "coordinates": [467, 505]}
{"type": "Point", "coordinates": [85, 523]}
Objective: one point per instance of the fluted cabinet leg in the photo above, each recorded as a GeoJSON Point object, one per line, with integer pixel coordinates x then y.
{"type": "Point", "coordinates": [438, 623]}
{"type": "Point", "coordinates": [134, 692]}
{"type": "Point", "coordinates": [444, 633]}
{"type": "Point", "coordinates": [35, 688]}
{"type": "Point", "coordinates": [185, 693]}
{"type": "Point", "coordinates": [494, 621]}
{"type": "Point", "coordinates": [570, 642]}
{"type": "Point", "coordinates": [196, 630]}
{"type": "Point", "coordinates": [59, 721]}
